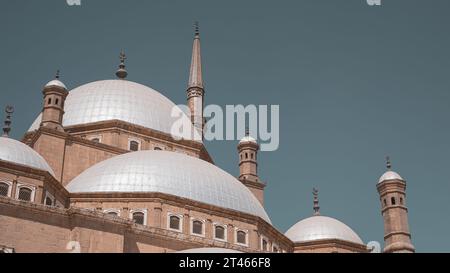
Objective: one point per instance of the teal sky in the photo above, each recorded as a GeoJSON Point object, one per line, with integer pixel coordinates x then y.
{"type": "Point", "coordinates": [354, 83]}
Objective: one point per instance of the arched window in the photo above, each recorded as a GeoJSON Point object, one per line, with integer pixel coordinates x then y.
{"type": "Point", "coordinates": [96, 140]}
{"type": "Point", "coordinates": [113, 213]}
{"type": "Point", "coordinates": [138, 217]}
{"type": "Point", "coordinates": [385, 203]}
{"type": "Point", "coordinates": [246, 155]}
{"type": "Point", "coordinates": [134, 146]}
{"type": "Point", "coordinates": [197, 227]}
{"type": "Point", "coordinates": [4, 189]}
{"type": "Point", "coordinates": [49, 100]}
{"type": "Point", "coordinates": [264, 244]}
{"type": "Point", "coordinates": [48, 201]}
{"type": "Point", "coordinates": [241, 237]}
{"type": "Point", "coordinates": [401, 200]}
{"type": "Point", "coordinates": [157, 149]}
{"type": "Point", "coordinates": [25, 194]}
{"type": "Point", "coordinates": [251, 155]}
{"type": "Point", "coordinates": [275, 249]}
{"type": "Point", "coordinates": [393, 200]}
{"type": "Point", "coordinates": [57, 101]}
{"type": "Point", "coordinates": [219, 233]}
{"type": "Point", "coordinates": [175, 222]}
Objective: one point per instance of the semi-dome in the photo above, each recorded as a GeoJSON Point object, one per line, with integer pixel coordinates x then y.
{"type": "Point", "coordinates": [320, 228]}
{"type": "Point", "coordinates": [390, 175]}
{"type": "Point", "coordinates": [126, 101]}
{"type": "Point", "coordinates": [19, 153]}
{"type": "Point", "coordinates": [153, 171]}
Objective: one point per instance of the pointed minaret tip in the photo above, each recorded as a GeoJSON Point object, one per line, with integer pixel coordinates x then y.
{"type": "Point", "coordinates": [316, 202]}
{"type": "Point", "coordinates": [9, 110]}
{"type": "Point", "coordinates": [195, 75]}
{"type": "Point", "coordinates": [57, 76]}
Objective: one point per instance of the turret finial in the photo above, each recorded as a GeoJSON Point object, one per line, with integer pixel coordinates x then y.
{"type": "Point", "coordinates": [197, 28]}
{"type": "Point", "coordinates": [7, 128]}
{"type": "Point", "coordinates": [122, 73]}
{"type": "Point", "coordinates": [247, 131]}
{"type": "Point", "coordinates": [388, 163]}
{"type": "Point", "coordinates": [316, 202]}
{"type": "Point", "coordinates": [57, 74]}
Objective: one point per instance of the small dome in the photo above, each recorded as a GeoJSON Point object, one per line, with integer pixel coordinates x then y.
{"type": "Point", "coordinates": [17, 152]}
{"type": "Point", "coordinates": [209, 250]}
{"type": "Point", "coordinates": [126, 101]}
{"type": "Point", "coordinates": [320, 228]}
{"type": "Point", "coordinates": [390, 175]}
{"type": "Point", "coordinates": [248, 139]}
{"type": "Point", "coordinates": [153, 171]}
{"type": "Point", "coordinates": [57, 83]}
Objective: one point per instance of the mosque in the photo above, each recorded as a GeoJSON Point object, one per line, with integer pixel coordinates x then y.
{"type": "Point", "coordinates": [100, 171]}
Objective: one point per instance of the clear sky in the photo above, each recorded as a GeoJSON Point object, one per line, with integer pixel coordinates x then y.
{"type": "Point", "coordinates": [354, 83]}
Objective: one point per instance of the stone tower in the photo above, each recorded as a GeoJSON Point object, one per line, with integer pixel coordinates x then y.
{"type": "Point", "coordinates": [55, 93]}
{"type": "Point", "coordinates": [392, 190]}
{"type": "Point", "coordinates": [195, 90]}
{"type": "Point", "coordinates": [248, 166]}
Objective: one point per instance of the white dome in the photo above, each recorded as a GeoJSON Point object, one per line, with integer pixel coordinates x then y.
{"type": "Point", "coordinates": [121, 100]}
{"type": "Point", "coordinates": [17, 152]}
{"type": "Point", "coordinates": [56, 83]}
{"type": "Point", "coordinates": [171, 173]}
{"type": "Point", "coordinates": [390, 175]}
{"type": "Point", "coordinates": [248, 139]}
{"type": "Point", "coordinates": [319, 228]}
{"type": "Point", "coordinates": [209, 250]}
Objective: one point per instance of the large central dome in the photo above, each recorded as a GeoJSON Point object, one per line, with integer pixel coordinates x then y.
{"type": "Point", "coordinates": [120, 100]}
{"type": "Point", "coordinates": [153, 171]}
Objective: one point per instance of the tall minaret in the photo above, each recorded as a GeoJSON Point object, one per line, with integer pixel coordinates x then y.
{"type": "Point", "coordinates": [392, 190]}
{"type": "Point", "coordinates": [55, 93]}
{"type": "Point", "coordinates": [248, 166]}
{"type": "Point", "coordinates": [195, 90]}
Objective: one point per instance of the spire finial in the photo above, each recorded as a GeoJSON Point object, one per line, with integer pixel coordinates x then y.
{"type": "Point", "coordinates": [388, 163]}
{"type": "Point", "coordinates": [122, 73]}
{"type": "Point", "coordinates": [316, 202]}
{"type": "Point", "coordinates": [197, 28]}
{"type": "Point", "coordinates": [7, 128]}
{"type": "Point", "coordinates": [57, 74]}
{"type": "Point", "coordinates": [247, 131]}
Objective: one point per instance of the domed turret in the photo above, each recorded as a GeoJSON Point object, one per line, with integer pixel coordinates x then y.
{"type": "Point", "coordinates": [392, 189]}
{"type": "Point", "coordinates": [55, 93]}
{"type": "Point", "coordinates": [248, 149]}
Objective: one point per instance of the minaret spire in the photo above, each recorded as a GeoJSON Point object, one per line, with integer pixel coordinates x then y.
{"type": "Point", "coordinates": [122, 73]}
{"type": "Point", "coordinates": [316, 202]}
{"type": "Point", "coordinates": [195, 76]}
{"type": "Point", "coordinates": [7, 128]}
{"type": "Point", "coordinates": [195, 90]}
